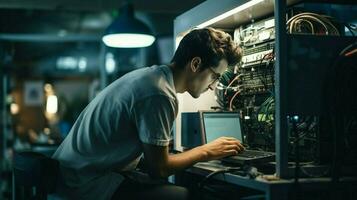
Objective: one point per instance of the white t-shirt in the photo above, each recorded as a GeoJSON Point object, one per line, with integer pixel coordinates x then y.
{"type": "Point", "coordinates": [139, 107]}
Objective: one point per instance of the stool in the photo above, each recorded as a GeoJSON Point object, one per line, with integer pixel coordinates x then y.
{"type": "Point", "coordinates": [34, 176]}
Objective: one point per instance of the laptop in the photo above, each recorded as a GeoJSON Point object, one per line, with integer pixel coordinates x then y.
{"type": "Point", "coordinates": [218, 124]}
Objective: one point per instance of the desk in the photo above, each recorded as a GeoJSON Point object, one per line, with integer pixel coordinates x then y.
{"type": "Point", "coordinates": [274, 188]}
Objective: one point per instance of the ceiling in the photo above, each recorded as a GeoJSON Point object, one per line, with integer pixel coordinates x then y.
{"type": "Point", "coordinates": [85, 16]}
{"type": "Point", "coordinates": [31, 30]}
{"type": "Point", "coordinates": [147, 6]}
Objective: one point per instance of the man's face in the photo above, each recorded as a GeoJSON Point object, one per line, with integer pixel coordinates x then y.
{"type": "Point", "coordinates": [202, 80]}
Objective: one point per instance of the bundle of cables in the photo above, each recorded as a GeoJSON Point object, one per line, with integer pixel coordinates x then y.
{"type": "Point", "coordinates": [205, 185]}
{"type": "Point", "coordinates": [226, 88]}
{"type": "Point", "coordinates": [311, 23]}
{"type": "Point", "coordinates": [266, 110]}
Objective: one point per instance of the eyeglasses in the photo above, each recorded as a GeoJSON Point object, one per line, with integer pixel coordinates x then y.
{"type": "Point", "coordinates": [215, 78]}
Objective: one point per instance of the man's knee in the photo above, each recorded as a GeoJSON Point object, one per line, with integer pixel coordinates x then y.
{"type": "Point", "coordinates": [175, 192]}
{"type": "Point", "coordinates": [147, 191]}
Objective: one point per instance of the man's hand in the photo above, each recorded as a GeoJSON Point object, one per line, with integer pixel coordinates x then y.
{"type": "Point", "coordinates": [221, 147]}
{"type": "Point", "coordinates": [162, 164]}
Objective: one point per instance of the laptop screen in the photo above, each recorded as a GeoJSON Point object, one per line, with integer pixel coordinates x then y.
{"type": "Point", "coordinates": [216, 125]}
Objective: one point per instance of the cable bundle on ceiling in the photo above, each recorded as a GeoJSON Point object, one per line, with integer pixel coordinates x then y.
{"type": "Point", "coordinates": [311, 23]}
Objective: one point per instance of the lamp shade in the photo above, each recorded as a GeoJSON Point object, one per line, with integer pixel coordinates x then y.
{"type": "Point", "coordinates": [128, 32]}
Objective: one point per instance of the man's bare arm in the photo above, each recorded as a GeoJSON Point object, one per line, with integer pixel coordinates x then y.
{"type": "Point", "coordinates": [163, 164]}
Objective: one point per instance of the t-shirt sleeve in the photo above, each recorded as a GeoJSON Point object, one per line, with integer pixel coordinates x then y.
{"type": "Point", "coordinates": [154, 117]}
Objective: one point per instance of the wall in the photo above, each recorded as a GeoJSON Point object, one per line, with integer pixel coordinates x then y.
{"type": "Point", "coordinates": [72, 97]}
{"type": "Point", "coordinates": [189, 104]}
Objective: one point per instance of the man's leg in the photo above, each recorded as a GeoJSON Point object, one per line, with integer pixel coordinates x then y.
{"type": "Point", "coordinates": [130, 189]}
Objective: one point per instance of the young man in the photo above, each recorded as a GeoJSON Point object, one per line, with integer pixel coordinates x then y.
{"type": "Point", "coordinates": [134, 116]}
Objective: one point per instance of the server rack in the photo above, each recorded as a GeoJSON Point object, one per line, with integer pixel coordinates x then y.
{"type": "Point", "coordinates": [227, 13]}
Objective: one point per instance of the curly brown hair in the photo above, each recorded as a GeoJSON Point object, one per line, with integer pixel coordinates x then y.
{"type": "Point", "coordinates": [211, 45]}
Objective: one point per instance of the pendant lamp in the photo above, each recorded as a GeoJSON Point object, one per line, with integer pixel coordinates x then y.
{"type": "Point", "coordinates": [128, 32]}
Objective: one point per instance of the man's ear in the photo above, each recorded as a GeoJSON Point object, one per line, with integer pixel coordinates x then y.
{"type": "Point", "coordinates": [195, 64]}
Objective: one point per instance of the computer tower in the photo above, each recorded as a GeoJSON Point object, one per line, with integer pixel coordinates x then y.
{"type": "Point", "coordinates": [191, 134]}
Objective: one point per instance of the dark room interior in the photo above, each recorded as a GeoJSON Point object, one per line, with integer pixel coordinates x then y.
{"type": "Point", "coordinates": [168, 99]}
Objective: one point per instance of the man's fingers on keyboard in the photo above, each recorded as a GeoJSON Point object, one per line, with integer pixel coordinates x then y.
{"type": "Point", "coordinates": [233, 147]}
{"type": "Point", "coordinates": [231, 152]}
{"type": "Point", "coordinates": [241, 148]}
{"type": "Point", "coordinates": [237, 146]}
{"type": "Point", "coordinates": [232, 139]}
{"type": "Point", "coordinates": [240, 145]}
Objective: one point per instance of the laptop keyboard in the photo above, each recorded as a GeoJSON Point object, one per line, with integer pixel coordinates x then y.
{"type": "Point", "coordinates": [250, 157]}
{"type": "Point", "coordinates": [253, 154]}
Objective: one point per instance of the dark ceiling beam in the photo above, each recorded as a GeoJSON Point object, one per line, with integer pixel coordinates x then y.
{"type": "Point", "coordinates": [148, 6]}
{"type": "Point", "coordinates": [49, 38]}
{"type": "Point", "coordinates": [51, 5]}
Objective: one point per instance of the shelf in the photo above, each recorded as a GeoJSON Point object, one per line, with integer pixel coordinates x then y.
{"type": "Point", "coordinates": [236, 12]}
{"type": "Point", "coordinates": [260, 10]}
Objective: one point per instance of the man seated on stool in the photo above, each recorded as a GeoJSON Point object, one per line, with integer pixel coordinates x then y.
{"type": "Point", "coordinates": [134, 116]}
